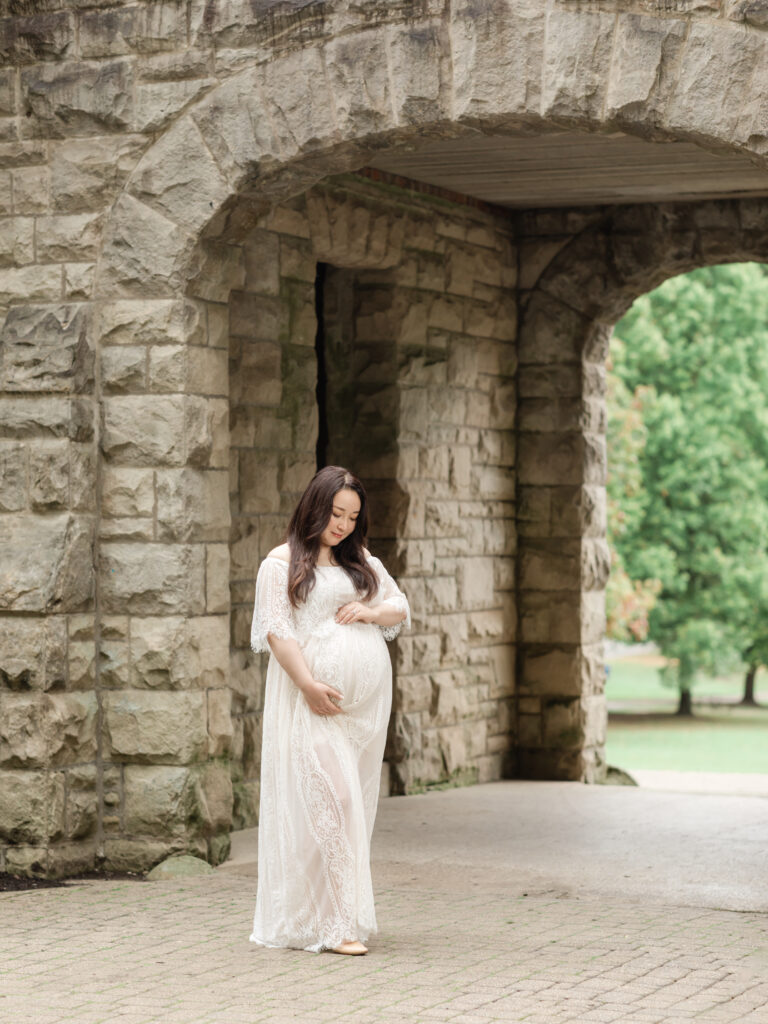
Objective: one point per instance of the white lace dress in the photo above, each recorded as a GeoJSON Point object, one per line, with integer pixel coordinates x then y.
{"type": "Point", "coordinates": [320, 774]}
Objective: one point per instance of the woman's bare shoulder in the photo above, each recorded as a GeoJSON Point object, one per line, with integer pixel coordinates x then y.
{"type": "Point", "coordinates": [283, 552]}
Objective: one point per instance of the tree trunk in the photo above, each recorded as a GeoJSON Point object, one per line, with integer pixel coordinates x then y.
{"type": "Point", "coordinates": [749, 686]}
{"type": "Point", "coordinates": [685, 707]}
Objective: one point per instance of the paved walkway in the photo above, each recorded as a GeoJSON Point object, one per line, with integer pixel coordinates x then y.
{"type": "Point", "coordinates": [536, 902]}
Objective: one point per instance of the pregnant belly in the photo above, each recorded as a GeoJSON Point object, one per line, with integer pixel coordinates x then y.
{"type": "Point", "coordinates": [354, 659]}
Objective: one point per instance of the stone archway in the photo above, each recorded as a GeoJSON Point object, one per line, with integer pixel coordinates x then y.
{"type": "Point", "coordinates": [618, 254]}
{"type": "Point", "coordinates": [115, 362]}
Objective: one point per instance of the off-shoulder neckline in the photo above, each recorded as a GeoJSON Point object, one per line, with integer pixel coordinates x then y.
{"type": "Point", "coordinates": [369, 557]}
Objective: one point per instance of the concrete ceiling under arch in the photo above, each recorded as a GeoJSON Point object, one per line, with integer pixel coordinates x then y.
{"type": "Point", "coordinates": [567, 168]}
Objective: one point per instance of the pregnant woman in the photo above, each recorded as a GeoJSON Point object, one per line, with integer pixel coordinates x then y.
{"type": "Point", "coordinates": [324, 607]}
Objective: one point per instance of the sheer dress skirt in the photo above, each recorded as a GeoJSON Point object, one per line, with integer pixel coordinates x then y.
{"type": "Point", "coordinates": [320, 775]}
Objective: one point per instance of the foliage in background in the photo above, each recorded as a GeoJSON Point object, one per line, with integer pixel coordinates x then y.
{"type": "Point", "coordinates": [628, 601]}
{"type": "Point", "coordinates": [688, 464]}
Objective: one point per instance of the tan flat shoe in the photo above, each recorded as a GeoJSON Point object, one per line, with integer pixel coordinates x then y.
{"type": "Point", "coordinates": [354, 948]}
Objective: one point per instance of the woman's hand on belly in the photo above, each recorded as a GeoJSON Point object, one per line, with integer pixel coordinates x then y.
{"type": "Point", "coordinates": [355, 611]}
{"type": "Point", "coordinates": [320, 698]}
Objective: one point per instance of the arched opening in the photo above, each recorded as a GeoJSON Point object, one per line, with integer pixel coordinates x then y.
{"type": "Point", "coordinates": [688, 529]}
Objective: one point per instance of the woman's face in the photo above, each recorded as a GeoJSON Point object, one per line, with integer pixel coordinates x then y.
{"type": "Point", "coordinates": [344, 513]}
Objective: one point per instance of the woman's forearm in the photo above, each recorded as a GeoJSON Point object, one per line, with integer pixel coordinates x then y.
{"type": "Point", "coordinates": [387, 615]}
{"type": "Point", "coordinates": [290, 658]}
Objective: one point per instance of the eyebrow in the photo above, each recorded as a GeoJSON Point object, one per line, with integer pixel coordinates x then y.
{"type": "Point", "coordinates": [339, 508]}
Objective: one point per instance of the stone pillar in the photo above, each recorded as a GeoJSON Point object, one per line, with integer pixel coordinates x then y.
{"type": "Point", "coordinates": [563, 558]}
{"type": "Point", "coordinates": [48, 706]}
{"type": "Point", "coordinates": [162, 632]}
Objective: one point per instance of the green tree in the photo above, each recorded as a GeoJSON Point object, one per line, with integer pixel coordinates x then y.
{"type": "Point", "coordinates": [693, 358]}
{"type": "Point", "coordinates": [628, 601]}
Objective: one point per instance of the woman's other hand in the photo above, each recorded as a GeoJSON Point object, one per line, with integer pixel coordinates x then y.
{"type": "Point", "coordinates": [355, 611]}
{"type": "Point", "coordinates": [320, 698]}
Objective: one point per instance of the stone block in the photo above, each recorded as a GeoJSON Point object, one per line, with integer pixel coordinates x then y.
{"type": "Point", "coordinates": [44, 35]}
{"type": "Point", "coordinates": [257, 380]}
{"type": "Point", "coordinates": [217, 578]}
{"type": "Point", "coordinates": [163, 802]}
{"type": "Point", "coordinates": [144, 726]}
{"type": "Point", "coordinates": [142, 250]}
{"type": "Point", "coordinates": [261, 253]}
{"type": "Point", "coordinates": [82, 477]}
{"type": "Point", "coordinates": [559, 671]}
{"type": "Point", "coordinates": [594, 716]}
{"type": "Point", "coordinates": [66, 859]}
{"type": "Point", "coordinates": [503, 662]}
{"type": "Point", "coordinates": [114, 664]}
{"type": "Point", "coordinates": [46, 563]}
{"type": "Point", "coordinates": [160, 653]}
{"type": "Point", "coordinates": [206, 430]}
{"type": "Point", "coordinates": [450, 701]}
{"type": "Point", "coordinates": [553, 333]}
{"type": "Point", "coordinates": [148, 322]}
{"type": "Point", "coordinates": [81, 657]}
{"type": "Point", "coordinates": [31, 806]}
{"type": "Point", "coordinates": [207, 372]}
{"type": "Point", "coordinates": [562, 725]}
{"type": "Point", "coordinates": [643, 47]}
{"type": "Point", "coordinates": [86, 174]}
{"type": "Point", "coordinates": [49, 475]}
{"type": "Point", "coordinates": [259, 491]}
{"type": "Point", "coordinates": [178, 177]}
{"type": "Point", "coordinates": [245, 811]}
{"type": "Point", "coordinates": [31, 190]}
{"type": "Point", "coordinates": [33, 653]}
{"type": "Point", "coordinates": [556, 459]}
{"type": "Point", "coordinates": [550, 565]}
{"type": "Point", "coordinates": [214, 797]}
{"type": "Point", "coordinates": [17, 241]}
{"type": "Point", "coordinates": [192, 505]}
{"type": "Point", "coordinates": [414, 692]}
{"type": "Point", "coordinates": [67, 237]}
{"type": "Point", "coordinates": [476, 582]}
{"type": "Point", "coordinates": [78, 281]}
{"type": "Point", "coordinates": [220, 726]}
{"type": "Point", "coordinates": [81, 808]}
{"type": "Point", "coordinates": [244, 548]}
{"type": "Point", "coordinates": [146, 429]}
{"type": "Point", "coordinates": [44, 729]}
{"type": "Point", "coordinates": [209, 651]}
{"type": "Point", "coordinates": [13, 477]}
{"type": "Point", "coordinates": [595, 563]}
{"type": "Point", "coordinates": [138, 854]}
{"type": "Point", "coordinates": [47, 348]}
{"type": "Point", "coordinates": [151, 579]}
{"type": "Point", "coordinates": [112, 32]}
{"type": "Point", "coordinates": [127, 492]}
{"type": "Point", "coordinates": [124, 369]}
{"type": "Point", "coordinates": [78, 98]}
{"type": "Point", "coordinates": [251, 725]}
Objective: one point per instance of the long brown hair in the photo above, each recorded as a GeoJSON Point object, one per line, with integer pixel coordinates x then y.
{"type": "Point", "coordinates": [309, 520]}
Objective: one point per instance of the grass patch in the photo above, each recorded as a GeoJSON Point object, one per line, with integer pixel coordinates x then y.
{"type": "Point", "coordinates": [644, 732]}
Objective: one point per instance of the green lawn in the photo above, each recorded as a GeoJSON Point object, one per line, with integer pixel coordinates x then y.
{"type": "Point", "coordinates": [644, 732]}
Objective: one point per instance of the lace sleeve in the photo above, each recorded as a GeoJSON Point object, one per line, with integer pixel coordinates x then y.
{"type": "Point", "coordinates": [390, 593]}
{"type": "Point", "coordinates": [272, 611]}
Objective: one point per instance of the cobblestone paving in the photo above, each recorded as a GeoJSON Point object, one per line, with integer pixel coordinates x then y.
{"type": "Point", "coordinates": [178, 953]}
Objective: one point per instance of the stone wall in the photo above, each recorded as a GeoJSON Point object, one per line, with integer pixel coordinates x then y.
{"type": "Point", "coordinates": [142, 146]}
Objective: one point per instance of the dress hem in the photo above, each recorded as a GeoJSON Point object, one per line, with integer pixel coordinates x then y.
{"type": "Point", "coordinates": [316, 948]}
